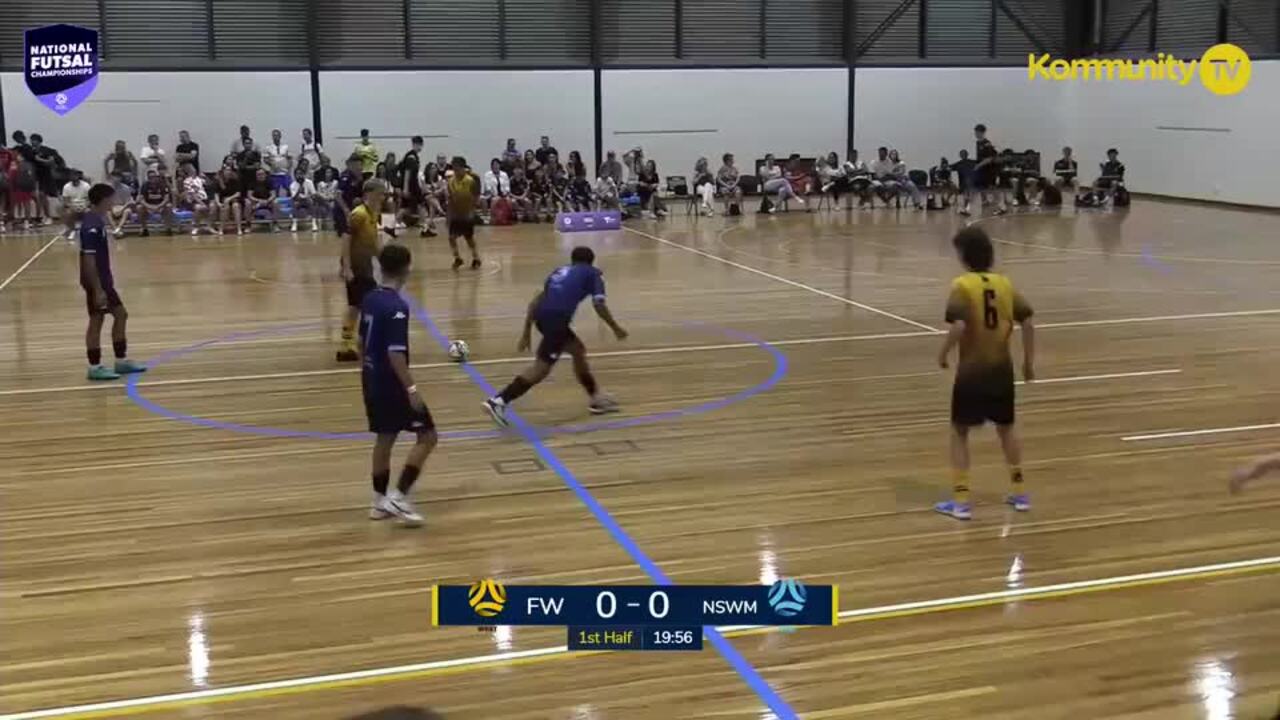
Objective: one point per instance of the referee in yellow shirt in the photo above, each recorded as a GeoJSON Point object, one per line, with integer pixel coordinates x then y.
{"type": "Point", "coordinates": [360, 246]}
{"type": "Point", "coordinates": [464, 190]}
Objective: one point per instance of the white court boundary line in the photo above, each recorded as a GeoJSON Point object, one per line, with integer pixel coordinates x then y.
{"type": "Point", "coordinates": [1196, 433]}
{"type": "Point", "coordinates": [875, 612]}
{"type": "Point", "coordinates": [787, 281]}
{"type": "Point", "coordinates": [27, 264]}
{"type": "Point", "coordinates": [649, 351]}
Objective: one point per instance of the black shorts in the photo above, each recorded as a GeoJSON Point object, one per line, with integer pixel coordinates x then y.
{"type": "Point", "coordinates": [556, 335]}
{"type": "Point", "coordinates": [462, 228]}
{"type": "Point", "coordinates": [357, 288]}
{"type": "Point", "coordinates": [985, 180]}
{"type": "Point", "coordinates": [391, 412]}
{"type": "Point", "coordinates": [979, 401]}
{"type": "Point", "coordinates": [113, 301]}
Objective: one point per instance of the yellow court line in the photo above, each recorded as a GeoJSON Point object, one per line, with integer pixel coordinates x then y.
{"type": "Point", "coordinates": [446, 667]}
{"type": "Point", "coordinates": [435, 606]}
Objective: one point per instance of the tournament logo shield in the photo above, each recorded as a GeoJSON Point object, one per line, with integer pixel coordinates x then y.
{"type": "Point", "coordinates": [60, 65]}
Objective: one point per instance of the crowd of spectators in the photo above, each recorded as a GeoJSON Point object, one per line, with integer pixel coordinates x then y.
{"type": "Point", "coordinates": [276, 184]}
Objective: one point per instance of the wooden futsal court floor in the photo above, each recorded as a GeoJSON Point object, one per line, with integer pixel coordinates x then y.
{"type": "Point", "coordinates": [196, 546]}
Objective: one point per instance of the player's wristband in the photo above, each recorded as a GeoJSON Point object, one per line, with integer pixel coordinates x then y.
{"type": "Point", "coordinates": [413, 390]}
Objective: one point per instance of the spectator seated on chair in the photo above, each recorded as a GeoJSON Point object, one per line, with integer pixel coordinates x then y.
{"type": "Point", "coordinates": [302, 195]}
{"type": "Point", "coordinates": [729, 184]}
{"type": "Point", "coordinates": [607, 193]}
{"type": "Point", "coordinates": [612, 169]}
{"type": "Point", "coordinates": [905, 181]}
{"type": "Point", "coordinates": [261, 196]}
{"type": "Point", "coordinates": [831, 177]}
{"type": "Point", "coordinates": [883, 181]}
{"type": "Point", "coordinates": [580, 193]}
{"type": "Point", "coordinates": [540, 194]}
{"type": "Point", "coordinates": [773, 183]}
{"type": "Point", "coordinates": [193, 197]}
{"type": "Point", "coordinates": [647, 187]}
{"type": "Point", "coordinates": [495, 184]}
{"type": "Point", "coordinates": [941, 186]}
{"type": "Point", "coordinates": [155, 198]}
{"type": "Point", "coordinates": [1112, 174]}
{"type": "Point", "coordinates": [1064, 168]}
{"type": "Point", "coordinates": [801, 175]}
{"type": "Point", "coordinates": [520, 195]}
{"type": "Point", "coordinates": [859, 178]}
{"type": "Point", "coordinates": [704, 185]}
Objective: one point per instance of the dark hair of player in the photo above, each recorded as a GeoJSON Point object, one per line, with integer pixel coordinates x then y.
{"type": "Point", "coordinates": [459, 163]}
{"type": "Point", "coordinates": [980, 128]}
{"type": "Point", "coordinates": [1112, 151]}
{"type": "Point", "coordinates": [416, 139]}
{"type": "Point", "coordinates": [975, 249]}
{"type": "Point", "coordinates": [100, 192]}
{"type": "Point", "coordinates": [37, 137]}
{"type": "Point", "coordinates": [583, 255]}
{"type": "Point", "coordinates": [395, 260]}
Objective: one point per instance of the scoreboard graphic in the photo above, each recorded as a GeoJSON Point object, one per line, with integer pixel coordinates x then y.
{"type": "Point", "coordinates": [634, 617]}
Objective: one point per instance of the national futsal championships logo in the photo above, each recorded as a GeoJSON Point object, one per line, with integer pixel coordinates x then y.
{"type": "Point", "coordinates": [1223, 69]}
{"type": "Point", "coordinates": [787, 597]}
{"type": "Point", "coordinates": [487, 598]}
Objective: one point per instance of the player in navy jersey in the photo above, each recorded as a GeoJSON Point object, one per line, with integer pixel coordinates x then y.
{"type": "Point", "coordinates": [552, 311]}
{"type": "Point", "coordinates": [391, 400]}
{"type": "Point", "coordinates": [350, 186]}
{"type": "Point", "coordinates": [100, 289]}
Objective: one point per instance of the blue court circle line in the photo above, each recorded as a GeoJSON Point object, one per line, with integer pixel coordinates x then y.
{"type": "Point", "coordinates": [781, 710]}
{"type": "Point", "coordinates": [134, 388]}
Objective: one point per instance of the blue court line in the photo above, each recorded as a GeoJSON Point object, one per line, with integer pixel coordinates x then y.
{"type": "Point", "coordinates": [134, 388]}
{"type": "Point", "coordinates": [744, 668]}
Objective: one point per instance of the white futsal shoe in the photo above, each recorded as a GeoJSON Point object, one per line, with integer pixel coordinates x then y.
{"type": "Point", "coordinates": [402, 507]}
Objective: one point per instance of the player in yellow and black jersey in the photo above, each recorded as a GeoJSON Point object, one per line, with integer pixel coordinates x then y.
{"type": "Point", "coordinates": [981, 311]}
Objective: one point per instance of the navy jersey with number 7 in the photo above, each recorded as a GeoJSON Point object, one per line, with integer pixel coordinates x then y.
{"type": "Point", "coordinates": [384, 329]}
{"type": "Point", "coordinates": [568, 286]}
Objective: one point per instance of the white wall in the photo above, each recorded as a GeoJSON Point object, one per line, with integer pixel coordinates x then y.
{"type": "Point", "coordinates": [745, 112]}
{"type": "Point", "coordinates": [130, 106]}
{"type": "Point", "coordinates": [1236, 162]}
{"type": "Point", "coordinates": [470, 113]}
{"type": "Point", "coordinates": [929, 113]}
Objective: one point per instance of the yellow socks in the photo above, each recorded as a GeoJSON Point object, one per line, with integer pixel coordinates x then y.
{"type": "Point", "coordinates": [1015, 479]}
{"type": "Point", "coordinates": [960, 485]}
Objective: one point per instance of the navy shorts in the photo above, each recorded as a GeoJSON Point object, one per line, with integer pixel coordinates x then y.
{"type": "Point", "coordinates": [340, 225]}
{"type": "Point", "coordinates": [556, 336]}
{"type": "Point", "coordinates": [389, 411]}
{"type": "Point", "coordinates": [113, 301]}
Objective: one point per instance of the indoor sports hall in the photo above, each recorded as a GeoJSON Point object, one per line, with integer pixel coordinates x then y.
{"type": "Point", "coordinates": [195, 540]}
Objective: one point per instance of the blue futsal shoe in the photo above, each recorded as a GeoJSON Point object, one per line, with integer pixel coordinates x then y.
{"type": "Point", "coordinates": [957, 510]}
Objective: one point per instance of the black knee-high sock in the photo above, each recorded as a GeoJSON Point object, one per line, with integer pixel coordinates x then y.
{"type": "Point", "coordinates": [121, 348]}
{"type": "Point", "coordinates": [518, 387]}
{"type": "Point", "coordinates": [408, 476]}
{"type": "Point", "coordinates": [587, 379]}
{"type": "Point", "coordinates": [380, 481]}
{"type": "Point", "coordinates": [95, 355]}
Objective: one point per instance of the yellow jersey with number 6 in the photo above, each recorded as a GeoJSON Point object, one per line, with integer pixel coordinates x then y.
{"type": "Point", "coordinates": [989, 306]}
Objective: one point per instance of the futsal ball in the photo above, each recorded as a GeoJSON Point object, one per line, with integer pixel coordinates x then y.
{"type": "Point", "coordinates": [458, 351]}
